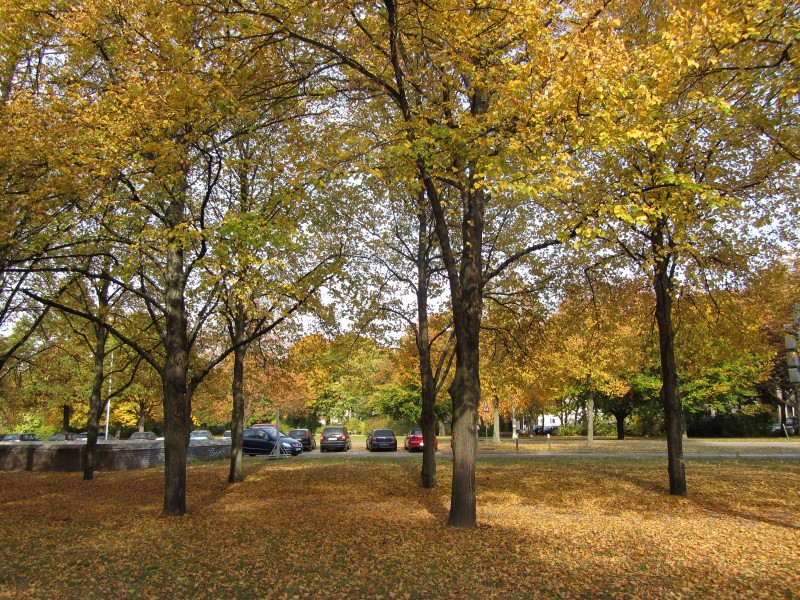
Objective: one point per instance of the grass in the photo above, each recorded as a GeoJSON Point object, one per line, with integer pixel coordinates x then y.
{"type": "Point", "coordinates": [359, 528]}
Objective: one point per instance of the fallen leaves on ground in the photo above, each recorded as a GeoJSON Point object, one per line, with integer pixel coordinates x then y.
{"type": "Point", "coordinates": [564, 528]}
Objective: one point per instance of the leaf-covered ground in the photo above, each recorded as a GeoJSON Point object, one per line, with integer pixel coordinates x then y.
{"type": "Point", "coordinates": [358, 528]}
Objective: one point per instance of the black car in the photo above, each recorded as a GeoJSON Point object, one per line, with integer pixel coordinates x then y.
{"type": "Point", "coordinates": [382, 439]}
{"type": "Point", "coordinates": [257, 441]}
{"type": "Point", "coordinates": [21, 437]}
{"type": "Point", "coordinates": [63, 437]}
{"type": "Point", "coordinates": [335, 437]}
{"type": "Point", "coordinates": [305, 437]}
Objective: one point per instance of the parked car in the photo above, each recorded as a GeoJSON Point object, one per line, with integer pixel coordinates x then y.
{"type": "Point", "coordinates": [382, 439]}
{"type": "Point", "coordinates": [544, 429]}
{"type": "Point", "coordinates": [21, 437]}
{"type": "Point", "coordinates": [63, 437]}
{"type": "Point", "coordinates": [335, 437]}
{"type": "Point", "coordinates": [84, 435]}
{"type": "Point", "coordinates": [262, 441]}
{"type": "Point", "coordinates": [305, 437]}
{"type": "Point", "coordinates": [415, 443]}
{"type": "Point", "coordinates": [226, 435]}
{"type": "Point", "coordinates": [143, 436]}
{"type": "Point", "coordinates": [201, 434]}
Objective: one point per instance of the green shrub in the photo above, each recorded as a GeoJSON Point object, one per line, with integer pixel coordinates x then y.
{"type": "Point", "coordinates": [750, 421]}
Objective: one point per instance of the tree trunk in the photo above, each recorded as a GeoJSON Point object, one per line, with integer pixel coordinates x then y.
{"type": "Point", "coordinates": [465, 390]}
{"type": "Point", "coordinates": [496, 420]}
{"type": "Point", "coordinates": [96, 403]}
{"type": "Point", "coordinates": [466, 294]}
{"type": "Point", "coordinates": [590, 414]}
{"type": "Point", "coordinates": [620, 425]}
{"type": "Point", "coordinates": [670, 395]}
{"type": "Point", "coordinates": [463, 508]}
{"type": "Point", "coordinates": [428, 421]}
{"type": "Point", "coordinates": [177, 402]}
{"type": "Point", "coordinates": [236, 473]}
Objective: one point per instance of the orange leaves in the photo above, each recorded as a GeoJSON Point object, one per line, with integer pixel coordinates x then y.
{"type": "Point", "coordinates": [296, 529]}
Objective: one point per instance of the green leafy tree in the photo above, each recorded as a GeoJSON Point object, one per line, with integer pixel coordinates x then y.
{"type": "Point", "coordinates": [689, 185]}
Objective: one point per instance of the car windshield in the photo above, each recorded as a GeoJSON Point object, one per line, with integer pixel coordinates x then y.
{"type": "Point", "coordinates": [333, 430]}
{"type": "Point", "coordinates": [416, 432]}
{"type": "Point", "coordinates": [297, 433]}
{"type": "Point", "coordinates": [383, 433]}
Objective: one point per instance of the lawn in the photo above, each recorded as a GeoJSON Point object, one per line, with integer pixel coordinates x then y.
{"type": "Point", "coordinates": [359, 528]}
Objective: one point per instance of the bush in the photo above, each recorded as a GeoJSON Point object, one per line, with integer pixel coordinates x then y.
{"type": "Point", "coordinates": [648, 420]}
{"type": "Point", "coordinates": [602, 428]}
{"type": "Point", "coordinates": [751, 421]}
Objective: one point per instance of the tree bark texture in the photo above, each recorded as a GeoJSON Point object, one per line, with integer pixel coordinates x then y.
{"type": "Point", "coordinates": [465, 391]}
{"type": "Point", "coordinates": [670, 395]}
{"type": "Point", "coordinates": [177, 404]}
{"type": "Point", "coordinates": [428, 421]}
{"type": "Point", "coordinates": [463, 506]}
{"type": "Point", "coordinates": [96, 403]}
{"type": "Point", "coordinates": [236, 473]}
{"type": "Point", "coordinates": [496, 419]}
{"type": "Point", "coordinates": [620, 425]}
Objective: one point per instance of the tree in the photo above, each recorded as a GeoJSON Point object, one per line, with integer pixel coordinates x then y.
{"type": "Point", "coordinates": [690, 172]}
{"type": "Point", "coordinates": [481, 97]}
{"type": "Point", "coordinates": [145, 186]}
{"type": "Point", "coordinates": [405, 253]}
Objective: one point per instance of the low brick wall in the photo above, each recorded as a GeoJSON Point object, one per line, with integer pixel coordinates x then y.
{"type": "Point", "coordinates": [111, 456]}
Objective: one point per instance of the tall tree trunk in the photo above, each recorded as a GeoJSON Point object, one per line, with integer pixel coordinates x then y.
{"type": "Point", "coordinates": [96, 403]}
{"type": "Point", "coordinates": [465, 390]}
{"type": "Point", "coordinates": [428, 421]}
{"type": "Point", "coordinates": [670, 395]}
{"type": "Point", "coordinates": [177, 402]}
{"type": "Point", "coordinates": [590, 412]}
{"type": "Point", "coordinates": [236, 473]}
{"type": "Point", "coordinates": [466, 294]}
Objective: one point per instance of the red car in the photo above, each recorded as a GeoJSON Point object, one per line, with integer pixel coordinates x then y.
{"type": "Point", "coordinates": [414, 441]}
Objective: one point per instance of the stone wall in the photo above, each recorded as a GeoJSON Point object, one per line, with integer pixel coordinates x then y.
{"type": "Point", "coordinates": [111, 456]}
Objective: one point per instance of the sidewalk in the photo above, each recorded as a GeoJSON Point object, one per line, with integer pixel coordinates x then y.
{"type": "Point", "coordinates": [640, 447]}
